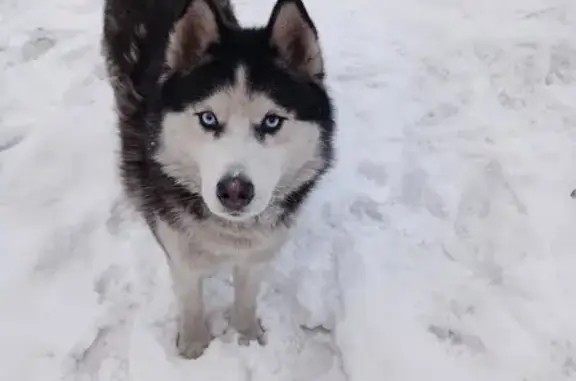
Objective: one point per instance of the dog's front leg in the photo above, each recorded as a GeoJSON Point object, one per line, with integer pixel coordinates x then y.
{"type": "Point", "coordinates": [187, 276]}
{"type": "Point", "coordinates": [247, 279]}
{"type": "Point", "coordinates": [193, 332]}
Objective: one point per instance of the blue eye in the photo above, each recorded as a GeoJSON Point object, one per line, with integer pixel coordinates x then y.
{"type": "Point", "coordinates": [208, 119]}
{"type": "Point", "coordinates": [271, 122]}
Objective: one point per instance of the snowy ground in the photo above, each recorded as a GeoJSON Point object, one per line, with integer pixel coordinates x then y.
{"type": "Point", "coordinates": [441, 248]}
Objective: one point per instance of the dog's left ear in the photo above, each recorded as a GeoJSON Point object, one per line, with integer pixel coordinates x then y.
{"type": "Point", "coordinates": [293, 34]}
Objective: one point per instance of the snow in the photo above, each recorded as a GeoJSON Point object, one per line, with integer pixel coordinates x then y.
{"type": "Point", "coordinates": [440, 248]}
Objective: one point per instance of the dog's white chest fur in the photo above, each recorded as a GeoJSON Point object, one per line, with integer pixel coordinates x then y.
{"type": "Point", "coordinates": [209, 243]}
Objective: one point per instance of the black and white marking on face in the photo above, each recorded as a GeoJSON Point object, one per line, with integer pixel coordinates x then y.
{"type": "Point", "coordinates": [252, 106]}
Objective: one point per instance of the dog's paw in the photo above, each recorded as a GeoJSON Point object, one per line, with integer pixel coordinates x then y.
{"type": "Point", "coordinates": [254, 332]}
{"type": "Point", "coordinates": [191, 344]}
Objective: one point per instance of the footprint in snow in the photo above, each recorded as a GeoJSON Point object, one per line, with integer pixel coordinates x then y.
{"type": "Point", "coordinates": [39, 44]}
{"type": "Point", "coordinates": [456, 338]}
{"type": "Point", "coordinates": [367, 207]}
{"type": "Point", "coordinates": [374, 172]}
{"type": "Point", "coordinates": [11, 143]}
{"type": "Point", "coordinates": [416, 193]}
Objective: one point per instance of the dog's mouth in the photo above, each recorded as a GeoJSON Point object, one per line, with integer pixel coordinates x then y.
{"type": "Point", "coordinates": [245, 215]}
{"type": "Point", "coordinates": [237, 215]}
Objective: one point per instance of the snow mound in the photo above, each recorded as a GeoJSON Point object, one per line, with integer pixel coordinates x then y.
{"type": "Point", "coordinates": [441, 247]}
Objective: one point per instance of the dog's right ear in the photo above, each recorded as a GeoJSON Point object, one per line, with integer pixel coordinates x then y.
{"type": "Point", "coordinates": [197, 29]}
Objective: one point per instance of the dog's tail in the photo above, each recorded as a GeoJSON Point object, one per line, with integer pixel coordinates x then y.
{"type": "Point", "coordinates": [134, 39]}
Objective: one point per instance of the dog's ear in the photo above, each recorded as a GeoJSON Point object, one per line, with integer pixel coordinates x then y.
{"type": "Point", "coordinates": [198, 28]}
{"type": "Point", "coordinates": [293, 34]}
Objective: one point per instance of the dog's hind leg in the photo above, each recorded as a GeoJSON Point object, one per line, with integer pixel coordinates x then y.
{"type": "Point", "coordinates": [247, 279]}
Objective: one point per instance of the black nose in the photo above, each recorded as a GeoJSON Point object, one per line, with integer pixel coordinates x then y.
{"type": "Point", "coordinates": [235, 192]}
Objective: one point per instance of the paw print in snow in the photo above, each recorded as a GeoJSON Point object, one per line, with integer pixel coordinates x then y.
{"type": "Point", "coordinates": [562, 65]}
{"type": "Point", "coordinates": [365, 206]}
{"type": "Point", "coordinates": [39, 43]}
{"type": "Point", "coordinates": [374, 172]}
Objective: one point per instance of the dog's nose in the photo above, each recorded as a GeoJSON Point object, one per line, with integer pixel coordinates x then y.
{"type": "Point", "coordinates": [235, 192]}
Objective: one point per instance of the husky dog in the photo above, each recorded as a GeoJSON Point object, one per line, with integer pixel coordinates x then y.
{"type": "Point", "coordinates": [224, 132]}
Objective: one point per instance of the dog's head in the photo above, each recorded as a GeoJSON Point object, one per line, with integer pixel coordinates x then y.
{"type": "Point", "coordinates": [246, 122]}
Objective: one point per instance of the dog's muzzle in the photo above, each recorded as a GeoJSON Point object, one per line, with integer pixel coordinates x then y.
{"type": "Point", "coordinates": [235, 192]}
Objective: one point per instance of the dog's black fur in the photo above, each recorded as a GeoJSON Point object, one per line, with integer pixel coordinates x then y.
{"type": "Point", "coordinates": [135, 38]}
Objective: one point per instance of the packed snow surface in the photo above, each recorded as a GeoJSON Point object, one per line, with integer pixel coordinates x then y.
{"type": "Point", "coordinates": [441, 247]}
